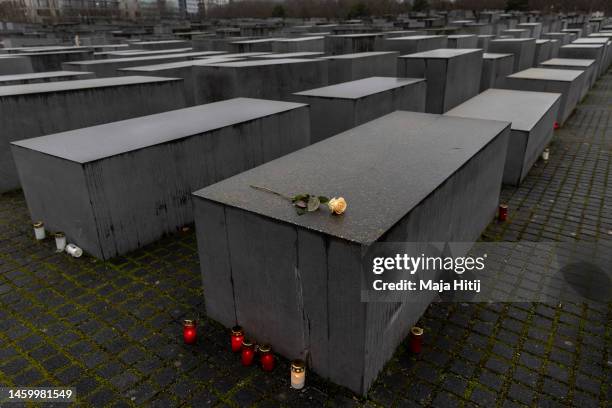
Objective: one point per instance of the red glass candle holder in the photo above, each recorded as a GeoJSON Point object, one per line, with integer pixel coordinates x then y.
{"type": "Point", "coordinates": [416, 339]}
{"type": "Point", "coordinates": [556, 125]}
{"type": "Point", "coordinates": [248, 353]}
{"type": "Point", "coordinates": [502, 215]}
{"type": "Point", "coordinates": [189, 331]}
{"type": "Point", "coordinates": [237, 338]}
{"type": "Point", "coordinates": [266, 358]}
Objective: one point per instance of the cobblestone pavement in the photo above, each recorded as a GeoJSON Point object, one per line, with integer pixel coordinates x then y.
{"type": "Point", "coordinates": [113, 330]}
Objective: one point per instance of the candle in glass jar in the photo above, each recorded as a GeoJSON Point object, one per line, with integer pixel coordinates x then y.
{"type": "Point", "coordinates": [39, 230]}
{"type": "Point", "coordinates": [189, 332]}
{"type": "Point", "coordinates": [298, 374]}
{"type": "Point", "coordinates": [60, 241]}
{"type": "Point", "coordinates": [416, 339]}
{"type": "Point", "coordinates": [266, 357]}
{"type": "Point", "coordinates": [237, 338]}
{"type": "Point", "coordinates": [248, 353]}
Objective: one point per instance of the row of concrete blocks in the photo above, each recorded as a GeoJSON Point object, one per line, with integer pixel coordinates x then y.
{"type": "Point", "coordinates": [115, 187]}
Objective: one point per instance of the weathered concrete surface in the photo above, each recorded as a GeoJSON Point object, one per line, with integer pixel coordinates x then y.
{"type": "Point", "coordinates": [453, 75]}
{"type": "Point", "coordinates": [532, 116]}
{"type": "Point", "coordinates": [350, 67]}
{"type": "Point", "coordinates": [138, 53]}
{"type": "Point", "coordinates": [14, 65]}
{"type": "Point", "coordinates": [607, 57]}
{"type": "Point", "coordinates": [352, 43]}
{"type": "Point", "coordinates": [535, 29]}
{"type": "Point", "coordinates": [108, 67]}
{"type": "Point", "coordinates": [37, 109]}
{"type": "Point", "coordinates": [462, 41]}
{"type": "Point", "coordinates": [567, 82]}
{"type": "Point", "coordinates": [259, 258]}
{"type": "Point", "coordinates": [495, 69]}
{"type": "Point", "coordinates": [53, 61]}
{"type": "Point", "coordinates": [484, 41]}
{"type": "Point", "coordinates": [515, 33]}
{"type": "Point", "coordinates": [37, 77]}
{"type": "Point", "coordinates": [266, 79]}
{"type": "Point", "coordinates": [255, 45]}
{"type": "Point", "coordinates": [543, 52]}
{"type": "Point", "coordinates": [522, 48]}
{"type": "Point", "coordinates": [585, 51]}
{"type": "Point", "coordinates": [415, 43]}
{"type": "Point", "coordinates": [127, 183]}
{"type": "Point", "coordinates": [181, 69]}
{"type": "Point", "coordinates": [565, 38]}
{"type": "Point", "coordinates": [300, 44]}
{"type": "Point", "coordinates": [336, 108]}
{"type": "Point", "coordinates": [589, 66]}
{"type": "Point", "coordinates": [305, 54]}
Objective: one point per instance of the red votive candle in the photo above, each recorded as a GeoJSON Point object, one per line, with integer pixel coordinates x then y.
{"type": "Point", "coordinates": [416, 339]}
{"type": "Point", "coordinates": [503, 213]}
{"type": "Point", "coordinates": [189, 331]}
{"type": "Point", "coordinates": [556, 125]}
{"type": "Point", "coordinates": [266, 357]}
{"type": "Point", "coordinates": [248, 353]}
{"type": "Point", "coordinates": [236, 338]}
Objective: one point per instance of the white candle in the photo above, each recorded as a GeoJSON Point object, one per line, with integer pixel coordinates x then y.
{"type": "Point", "coordinates": [39, 230]}
{"type": "Point", "coordinates": [298, 374]}
{"type": "Point", "coordinates": [60, 241]}
{"type": "Point", "coordinates": [545, 154]}
{"type": "Point", "coordinates": [74, 250]}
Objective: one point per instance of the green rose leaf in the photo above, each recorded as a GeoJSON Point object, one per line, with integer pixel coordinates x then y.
{"type": "Point", "coordinates": [313, 203]}
{"type": "Point", "coordinates": [300, 197]}
{"type": "Point", "coordinates": [300, 211]}
{"type": "Point", "coordinates": [323, 199]}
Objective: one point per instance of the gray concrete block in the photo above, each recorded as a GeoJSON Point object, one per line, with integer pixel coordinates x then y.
{"type": "Point", "coordinates": [53, 61]}
{"type": "Point", "coordinates": [543, 52]}
{"type": "Point", "coordinates": [299, 44]}
{"type": "Point", "coordinates": [483, 42]}
{"type": "Point", "coordinates": [336, 108]}
{"type": "Point", "coordinates": [462, 41]}
{"type": "Point", "coordinates": [495, 69]}
{"type": "Point", "coordinates": [260, 259]}
{"type": "Point", "coordinates": [565, 38]}
{"type": "Point", "coordinates": [38, 109]}
{"type": "Point", "coordinates": [15, 65]}
{"type": "Point", "coordinates": [453, 75]}
{"type": "Point", "coordinates": [181, 69]}
{"type": "Point", "coordinates": [349, 67]}
{"type": "Point", "coordinates": [305, 54]}
{"type": "Point", "coordinates": [607, 57]}
{"type": "Point", "coordinates": [352, 43]}
{"type": "Point", "coordinates": [38, 77]}
{"type": "Point", "coordinates": [266, 79]}
{"type": "Point", "coordinates": [567, 82]}
{"type": "Point", "coordinates": [116, 187]}
{"type": "Point", "coordinates": [522, 48]}
{"type": "Point", "coordinates": [415, 43]}
{"type": "Point", "coordinates": [589, 66]}
{"type": "Point", "coordinates": [532, 116]}
{"type": "Point", "coordinates": [104, 68]}
{"type": "Point", "coordinates": [138, 53]}
{"type": "Point", "coordinates": [253, 45]}
{"type": "Point", "coordinates": [515, 33]}
{"type": "Point", "coordinates": [535, 29]}
{"type": "Point", "coordinates": [585, 51]}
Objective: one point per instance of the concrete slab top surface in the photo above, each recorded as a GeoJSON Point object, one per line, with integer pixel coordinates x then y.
{"type": "Point", "coordinates": [259, 40]}
{"type": "Point", "coordinates": [443, 53]}
{"type": "Point", "coordinates": [66, 86]}
{"type": "Point", "coordinates": [157, 42]}
{"type": "Point", "coordinates": [548, 74]}
{"type": "Point", "coordinates": [591, 41]}
{"type": "Point", "coordinates": [293, 55]}
{"type": "Point", "coordinates": [180, 64]}
{"type": "Point", "coordinates": [257, 63]}
{"type": "Point", "coordinates": [360, 55]}
{"type": "Point", "coordinates": [299, 39]}
{"type": "Point", "coordinates": [33, 54]}
{"type": "Point", "coordinates": [145, 52]}
{"type": "Point", "coordinates": [41, 75]}
{"type": "Point", "coordinates": [542, 41]}
{"type": "Point", "coordinates": [461, 36]}
{"type": "Point", "coordinates": [111, 139]}
{"type": "Point", "coordinates": [383, 168]}
{"type": "Point", "coordinates": [523, 109]}
{"type": "Point", "coordinates": [569, 62]}
{"type": "Point", "coordinates": [357, 35]}
{"type": "Point", "coordinates": [415, 38]}
{"type": "Point", "coordinates": [238, 55]}
{"type": "Point", "coordinates": [146, 58]}
{"type": "Point", "coordinates": [360, 88]}
{"type": "Point", "coordinates": [594, 46]}
{"type": "Point", "coordinates": [513, 40]}
{"type": "Point", "coordinates": [494, 55]}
